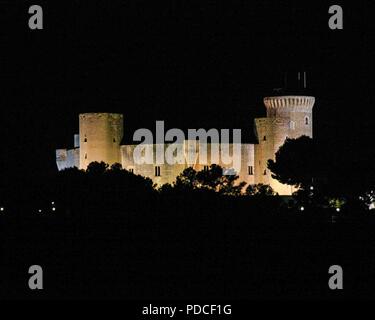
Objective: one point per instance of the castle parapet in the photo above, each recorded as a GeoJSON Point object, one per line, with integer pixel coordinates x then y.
{"type": "Point", "coordinates": [281, 104]}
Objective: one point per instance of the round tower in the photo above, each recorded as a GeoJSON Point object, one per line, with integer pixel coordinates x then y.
{"type": "Point", "coordinates": [287, 117]}
{"type": "Point", "coordinates": [100, 136]}
{"type": "Point", "coordinates": [292, 117]}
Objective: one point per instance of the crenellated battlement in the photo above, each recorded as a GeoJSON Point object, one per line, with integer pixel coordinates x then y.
{"type": "Point", "coordinates": [300, 102]}
{"type": "Point", "coordinates": [100, 136]}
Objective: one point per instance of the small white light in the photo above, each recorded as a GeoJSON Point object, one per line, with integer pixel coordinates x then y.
{"type": "Point", "coordinates": [338, 209]}
{"type": "Point", "coordinates": [302, 208]}
{"type": "Point", "coordinates": [2, 209]}
{"type": "Point", "coordinates": [53, 202]}
{"type": "Point", "coordinates": [53, 209]}
{"type": "Point", "coordinates": [40, 210]}
{"type": "Point", "coordinates": [311, 188]}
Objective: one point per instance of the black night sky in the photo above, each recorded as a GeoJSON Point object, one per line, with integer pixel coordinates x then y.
{"type": "Point", "coordinates": [192, 64]}
{"type": "Point", "coordinates": [111, 233]}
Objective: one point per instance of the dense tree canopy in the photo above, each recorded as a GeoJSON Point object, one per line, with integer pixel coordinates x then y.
{"type": "Point", "coordinates": [260, 190]}
{"type": "Point", "coordinates": [296, 162]}
{"type": "Point", "coordinates": [305, 163]}
{"type": "Point", "coordinates": [212, 179]}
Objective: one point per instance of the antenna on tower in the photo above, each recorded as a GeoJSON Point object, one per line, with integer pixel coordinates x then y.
{"type": "Point", "coordinates": [304, 79]}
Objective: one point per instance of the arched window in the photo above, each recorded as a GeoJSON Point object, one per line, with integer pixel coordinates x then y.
{"type": "Point", "coordinates": [307, 120]}
{"type": "Point", "coordinates": [85, 140]}
{"type": "Point", "coordinates": [264, 138]}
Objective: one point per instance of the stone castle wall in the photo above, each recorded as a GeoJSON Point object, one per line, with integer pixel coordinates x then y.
{"type": "Point", "coordinates": [169, 172]}
{"type": "Point", "coordinates": [67, 158]}
{"type": "Point", "coordinates": [100, 137]}
{"type": "Point", "coordinates": [287, 117]}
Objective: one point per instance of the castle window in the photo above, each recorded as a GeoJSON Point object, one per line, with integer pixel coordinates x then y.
{"type": "Point", "coordinates": [131, 170]}
{"type": "Point", "coordinates": [85, 140]}
{"type": "Point", "coordinates": [265, 172]}
{"type": "Point", "coordinates": [292, 125]}
{"type": "Point", "coordinates": [206, 168]}
{"type": "Point", "coordinates": [85, 155]}
{"type": "Point", "coordinates": [250, 170]}
{"type": "Point", "coordinates": [157, 171]}
{"type": "Point", "coordinates": [114, 139]}
{"type": "Point", "coordinates": [264, 138]}
{"type": "Point", "coordinates": [307, 120]}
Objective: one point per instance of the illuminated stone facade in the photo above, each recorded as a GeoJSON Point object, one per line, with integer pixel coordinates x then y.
{"type": "Point", "coordinates": [287, 117]}
{"type": "Point", "coordinates": [167, 173]}
{"type": "Point", "coordinates": [100, 136]}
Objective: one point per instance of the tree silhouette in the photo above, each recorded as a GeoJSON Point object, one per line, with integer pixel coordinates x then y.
{"type": "Point", "coordinates": [260, 189]}
{"type": "Point", "coordinates": [97, 168]}
{"type": "Point", "coordinates": [212, 179]}
{"type": "Point", "coordinates": [296, 162]}
{"type": "Point", "coordinates": [187, 179]}
{"type": "Point", "coordinates": [116, 167]}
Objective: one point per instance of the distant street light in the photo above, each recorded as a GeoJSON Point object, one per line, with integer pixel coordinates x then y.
{"type": "Point", "coordinates": [302, 208]}
{"type": "Point", "coordinates": [2, 209]}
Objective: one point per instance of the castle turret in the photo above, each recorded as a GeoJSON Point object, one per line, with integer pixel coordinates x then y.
{"type": "Point", "coordinates": [100, 137]}
{"type": "Point", "coordinates": [287, 117]}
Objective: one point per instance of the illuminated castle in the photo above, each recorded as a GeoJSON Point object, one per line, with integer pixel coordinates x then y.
{"type": "Point", "coordinates": [100, 136]}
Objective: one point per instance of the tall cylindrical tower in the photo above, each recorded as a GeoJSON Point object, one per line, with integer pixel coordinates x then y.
{"type": "Point", "coordinates": [100, 137]}
{"type": "Point", "coordinates": [292, 117]}
{"type": "Point", "coordinates": [287, 117]}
